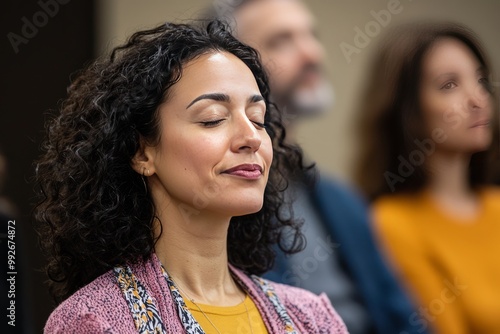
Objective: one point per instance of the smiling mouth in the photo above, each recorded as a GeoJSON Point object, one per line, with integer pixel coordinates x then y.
{"type": "Point", "coordinates": [246, 171]}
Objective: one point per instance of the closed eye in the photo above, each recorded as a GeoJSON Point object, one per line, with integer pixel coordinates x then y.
{"type": "Point", "coordinates": [210, 124]}
{"type": "Point", "coordinates": [260, 125]}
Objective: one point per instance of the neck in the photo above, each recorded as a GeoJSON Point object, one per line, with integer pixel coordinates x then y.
{"type": "Point", "coordinates": [449, 174]}
{"type": "Point", "coordinates": [449, 183]}
{"type": "Point", "coordinates": [192, 246]}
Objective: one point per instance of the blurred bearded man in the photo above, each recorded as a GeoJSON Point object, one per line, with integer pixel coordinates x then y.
{"type": "Point", "coordinates": [341, 258]}
{"type": "Point", "coordinates": [284, 34]}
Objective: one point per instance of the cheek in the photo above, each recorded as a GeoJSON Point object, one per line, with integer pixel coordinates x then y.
{"type": "Point", "coordinates": [445, 112]}
{"type": "Point", "coordinates": [281, 70]}
{"type": "Point", "coordinates": [266, 149]}
{"type": "Point", "coordinates": [186, 155]}
{"type": "Point", "coordinates": [489, 103]}
{"type": "Point", "coordinates": [202, 153]}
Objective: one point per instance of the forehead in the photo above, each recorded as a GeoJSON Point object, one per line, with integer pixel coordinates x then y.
{"type": "Point", "coordinates": [259, 18]}
{"type": "Point", "coordinates": [220, 72]}
{"type": "Point", "coordinates": [450, 54]}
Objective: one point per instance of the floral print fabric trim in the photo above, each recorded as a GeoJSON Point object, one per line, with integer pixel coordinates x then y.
{"type": "Point", "coordinates": [278, 306]}
{"type": "Point", "coordinates": [146, 317]}
{"type": "Point", "coordinates": [187, 319]}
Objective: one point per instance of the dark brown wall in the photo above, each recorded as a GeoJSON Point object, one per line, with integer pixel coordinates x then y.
{"type": "Point", "coordinates": [33, 79]}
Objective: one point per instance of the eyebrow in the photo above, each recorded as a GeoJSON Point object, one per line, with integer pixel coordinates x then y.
{"type": "Point", "coordinates": [255, 98]}
{"type": "Point", "coordinates": [448, 74]}
{"type": "Point", "coordinates": [212, 96]}
{"type": "Point", "coordinates": [223, 98]}
{"type": "Point", "coordinates": [480, 70]}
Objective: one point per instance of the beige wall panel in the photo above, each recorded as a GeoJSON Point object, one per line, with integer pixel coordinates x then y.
{"type": "Point", "coordinates": [328, 140]}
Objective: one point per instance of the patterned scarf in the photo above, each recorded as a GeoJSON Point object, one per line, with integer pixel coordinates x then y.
{"type": "Point", "coordinates": [147, 318]}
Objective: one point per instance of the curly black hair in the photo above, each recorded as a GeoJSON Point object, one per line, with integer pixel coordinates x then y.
{"type": "Point", "coordinates": [94, 212]}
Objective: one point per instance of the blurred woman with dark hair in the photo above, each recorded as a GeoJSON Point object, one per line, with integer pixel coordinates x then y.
{"type": "Point", "coordinates": [430, 140]}
{"type": "Point", "coordinates": [161, 184]}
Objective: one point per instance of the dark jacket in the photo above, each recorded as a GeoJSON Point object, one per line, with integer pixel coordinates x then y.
{"type": "Point", "coordinates": [346, 218]}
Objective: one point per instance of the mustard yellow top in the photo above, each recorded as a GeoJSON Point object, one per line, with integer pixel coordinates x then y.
{"type": "Point", "coordinates": [450, 264]}
{"type": "Point", "coordinates": [228, 319]}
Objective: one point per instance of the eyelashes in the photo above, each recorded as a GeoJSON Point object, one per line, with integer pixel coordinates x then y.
{"type": "Point", "coordinates": [214, 123]}
{"type": "Point", "coordinates": [449, 85]}
{"type": "Point", "coordinates": [452, 84]}
{"type": "Point", "coordinates": [485, 82]}
{"type": "Point", "coordinates": [211, 124]}
{"type": "Point", "coordinates": [260, 125]}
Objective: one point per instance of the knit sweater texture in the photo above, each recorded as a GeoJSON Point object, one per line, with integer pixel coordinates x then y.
{"type": "Point", "coordinates": [100, 306]}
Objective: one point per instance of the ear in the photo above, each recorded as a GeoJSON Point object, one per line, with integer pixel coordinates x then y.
{"type": "Point", "coordinates": [143, 160]}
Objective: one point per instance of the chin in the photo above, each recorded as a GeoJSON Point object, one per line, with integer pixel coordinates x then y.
{"type": "Point", "coordinates": [477, 147]}
{"type": "Point", "coordinates": [250, 209]}
{"type": "Point", "coordinates": [481, 144]}
{"type": "Point", "coordinates": [314, 100]}
{"type": "Point", "coordinates": [245, 207]}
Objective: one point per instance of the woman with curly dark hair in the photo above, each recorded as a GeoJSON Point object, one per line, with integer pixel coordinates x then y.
{"type": "Point", "coordinates": [161, 182]}
{"type": "Point", "coordinates": [430, 135]}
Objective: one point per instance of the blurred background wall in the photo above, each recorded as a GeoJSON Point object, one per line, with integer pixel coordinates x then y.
{"type": "Point", "coordinates": [36, 69]}
{"type": "Point", "coordinates": [328, 140]}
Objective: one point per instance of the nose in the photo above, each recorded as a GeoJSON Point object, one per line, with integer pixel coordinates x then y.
{"type": "Point", "coordinates": [246, 136]}
{"type": "Point", "coordinates": [479, 97]}
{"type": "Point", "coordinates": [310, 49]}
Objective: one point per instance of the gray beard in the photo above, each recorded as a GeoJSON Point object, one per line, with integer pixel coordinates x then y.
{"type": "Point", "coordinates": [307, 104]}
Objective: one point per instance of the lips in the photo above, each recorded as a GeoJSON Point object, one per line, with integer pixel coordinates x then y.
{"type": "Point", "coordinates": [485, 122]}
{"type": "Point", "coordinates": [247, 171]}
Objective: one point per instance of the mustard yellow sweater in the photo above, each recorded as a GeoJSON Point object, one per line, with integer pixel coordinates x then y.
{"type": "Point", "coordinates": [451, 265]}
{"type": "Point", "coordinates": [242, 318]}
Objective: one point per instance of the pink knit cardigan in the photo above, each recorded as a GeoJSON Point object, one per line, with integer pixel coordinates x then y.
{"type": "Point", "coordinates": [100, 306]}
